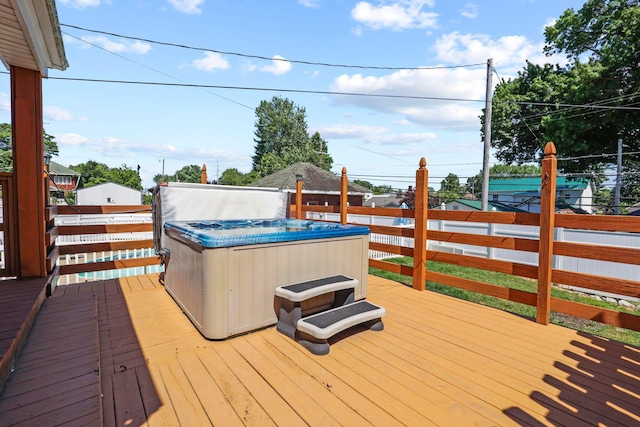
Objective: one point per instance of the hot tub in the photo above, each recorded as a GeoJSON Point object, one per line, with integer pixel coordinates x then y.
{"type": "Point", "coordinates": [223, 273]}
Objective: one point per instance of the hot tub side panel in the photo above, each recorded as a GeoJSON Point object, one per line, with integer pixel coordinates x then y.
{"type": "Point", "coordinates": [254, 272]}
{"type": "Point", "coordinates": [197, 283]}
{"type": "Point", "coordinates": [229, 291]}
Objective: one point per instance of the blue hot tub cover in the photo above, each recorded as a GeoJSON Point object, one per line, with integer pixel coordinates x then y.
{"type": "Point", "coordinates": [228, 233]}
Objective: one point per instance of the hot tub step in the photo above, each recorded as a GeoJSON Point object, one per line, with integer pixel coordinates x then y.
{"type": "Point", "coordinates": [315, 330]}
{"type": "Point", "coordinates": [302, 291]}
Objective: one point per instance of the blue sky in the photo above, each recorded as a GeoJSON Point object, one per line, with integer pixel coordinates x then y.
{"type": "Point", "coordinates": [377, 139]}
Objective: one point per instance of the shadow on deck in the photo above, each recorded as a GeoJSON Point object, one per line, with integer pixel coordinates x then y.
{"type": "Point", "coordinates": [439, 361]}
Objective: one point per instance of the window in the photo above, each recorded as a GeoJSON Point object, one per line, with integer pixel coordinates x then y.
{"type": "Point", "coordinates": [495, 197]}
{"type": "Point", "coordinates": [62, 179]}
{"type": "Point", "coordinates": [110, 200]}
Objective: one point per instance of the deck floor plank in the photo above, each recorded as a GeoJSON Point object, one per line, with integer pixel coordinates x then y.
{"type": "Point", "coordinates": [373, 413]}
{"type": "Point", "coordinates": [307, 405]}
{"type": "Point", "coordinates": [598, 377]}
{"type": "Point", "coordinates": [59, 381]}
{"type": "Point", "coordinates": [251, 397]}
{"type": "Point", "coordinates": [439, 361]}
{"type": "Point", "coordinates": [212, 399]}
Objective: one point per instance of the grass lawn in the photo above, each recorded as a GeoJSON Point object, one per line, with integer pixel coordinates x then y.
{"type": "Point", "coordinates": [515, 282]}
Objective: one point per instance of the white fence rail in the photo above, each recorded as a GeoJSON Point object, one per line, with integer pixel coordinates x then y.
{"type": "Point", "coordinates": [580, 265]}
{"type": "Point", "coordinates": [105, 255]}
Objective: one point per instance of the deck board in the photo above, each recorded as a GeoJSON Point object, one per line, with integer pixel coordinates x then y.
{"type": "Point", "coordinates": [439, 361]}
{"type": "Point", "coordinates": [56, 378]}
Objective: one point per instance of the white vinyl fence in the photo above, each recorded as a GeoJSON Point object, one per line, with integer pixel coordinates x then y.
{"type": "Point", "coordinates": [580, 265]}
{"type": "Point", "coordinates": [105, 255]}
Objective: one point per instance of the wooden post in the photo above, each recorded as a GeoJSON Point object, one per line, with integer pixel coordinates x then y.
{"type": "Point", "coordinates": [203, 175]}
{"type": "Point", "coordinates": [298, 196]}
{"type": "Point", "coordinates": [547, 224]}
{"type": "Point", "coordinates": [28, 167]}
{"type": "Point", "coordinates": [420, 230]}
{"type": "Point", "coordinates": [344, 188]}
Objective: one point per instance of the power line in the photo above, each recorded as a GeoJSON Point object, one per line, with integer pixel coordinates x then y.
{"type": "Point", "coordinates": [151, 68]}
{"type": "Point", "coordinates": [244, 55]}
{"type": "Point", "coordinates": [320, 92]}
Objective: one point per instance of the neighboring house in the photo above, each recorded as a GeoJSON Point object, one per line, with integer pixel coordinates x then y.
{"type": "Point", "coordinates": [524, 193]}
{"type": "Point", "coordinates": [634, 210]}
{"type": "Point", "coordinates": [319, 187]}
{"type": "Point", "coordinates": [476, 205]}
{"type": "Point", "coordinates": [61, 180]}
{"type": "Point", "coordinates": [109, 193]}
{"type": "Point", "coordinates": [383, 201]}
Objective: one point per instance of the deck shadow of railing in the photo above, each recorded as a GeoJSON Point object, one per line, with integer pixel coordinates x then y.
{"type": "Point", "coordinates": [130, 397]}
{"type": "Point", "coordinates": [601, 387]}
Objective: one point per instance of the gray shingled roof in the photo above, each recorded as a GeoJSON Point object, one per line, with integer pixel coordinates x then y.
{"type": "Point", "coordinates": [58, 169]}
{"type": "Point", "coordinates": [314, 179]}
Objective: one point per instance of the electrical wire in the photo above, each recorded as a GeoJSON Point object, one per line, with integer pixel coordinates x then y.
{"type": "Point", "coordinates": [244, 55]}
{"type": "Point", "coordinates": [151, 68]}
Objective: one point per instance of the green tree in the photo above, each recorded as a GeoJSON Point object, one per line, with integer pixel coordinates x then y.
{"type": "Point", "coordinates": [190, 173]}
{"type": "Point", "coordinates": [6, 154]}
{"type": "Point", "coordinates": [125, 175]}
{"type": "Point", "coordinates": [450, 188]}
{"type": "Point", "coordinates": [94, 173]}
{"type": "Point", "coordinates": [233, 176]}
{"type": "Point", "coordinates": [282, 138]}
{"type": "Point", "coordinates": [601, 41]}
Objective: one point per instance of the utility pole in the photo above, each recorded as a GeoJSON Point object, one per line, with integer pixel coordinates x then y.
{"type": "Point", "coordinates": [616, 208]}
{"type": "Point", "coordinates": [484, 197]}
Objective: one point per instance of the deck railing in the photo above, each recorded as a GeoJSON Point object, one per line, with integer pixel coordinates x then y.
{"type": "Point", "coordinates": [73, 244]}
{"type": "Point", "coordinates": [543, 244]}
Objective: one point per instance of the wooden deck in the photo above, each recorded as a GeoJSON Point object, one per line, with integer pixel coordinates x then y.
{"type": "Point", "coordinates": [439, 361]}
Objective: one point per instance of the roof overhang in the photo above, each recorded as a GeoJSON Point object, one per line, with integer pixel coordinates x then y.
{"type": "Point", "coordinates": [30, 35]}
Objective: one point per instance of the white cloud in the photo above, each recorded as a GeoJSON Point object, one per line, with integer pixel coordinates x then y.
{"type": "Point", "coordinates": [398, 15]}
{"type": "Point", "coordinates": [509, 53]}
{"type": "Point", "coordinates": [58, 114]}
{"type": "Point", "coordinates": [211, 61]}
{"type": "Point", "coordinates": [314, 4]}
{"type": "Point", "coordinates": [81, 4]}
{"type": "Point", "coordinates": [188, 6]}
{"type": "Point", "coordinates": [470, 11]}
{"type": "Point", "coordinates": [112, 147]}
{"type": "Point", "coordinates": [5, 104]}
{"type": "Point", "coordinates": [124, 46]}
{"type": "Point", "coordinates": [278, 66]}
{"type": "Point", "coordinates": [438, 87]}
{"type": "Point", "coordinates": [373, 135]}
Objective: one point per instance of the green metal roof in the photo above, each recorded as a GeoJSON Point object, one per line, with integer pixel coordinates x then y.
{"type": "Point", "coordinates": [532, 184]}
{"type": "Point", "coordinates": [477, 204]}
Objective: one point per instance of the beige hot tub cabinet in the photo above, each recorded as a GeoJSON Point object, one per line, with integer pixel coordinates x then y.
{"type": "Point", "coordinates": [226, 291]}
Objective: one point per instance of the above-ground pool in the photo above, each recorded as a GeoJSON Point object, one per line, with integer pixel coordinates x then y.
{"type": "Point", "coordinates": [223, 273]}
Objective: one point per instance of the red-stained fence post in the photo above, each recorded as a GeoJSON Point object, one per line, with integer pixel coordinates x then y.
{"type": "Point", "coordinates": [343, 196]}
{"type": "Point", "coordinates": [547, 224]}
{"type": "Point", "coordinates": [420, 230]}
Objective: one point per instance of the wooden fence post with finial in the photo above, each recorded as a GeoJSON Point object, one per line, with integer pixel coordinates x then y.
{"type": "Point", "coordinates": [298, 196]}
{"type": "Point", "coordinates": [203, 175]}
{"type": "Point", "coordinates": [421, 205]}
{"type": "Point", "coordinates": [547, 226]}
{"type": "Point", "coordinates": [343, 196]}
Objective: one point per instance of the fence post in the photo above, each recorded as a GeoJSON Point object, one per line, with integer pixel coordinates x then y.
{"type": "Point", "coordinates": [343, 196]}
{"type": "Point", "coordinates": [203, 175]}
{"type": "Point", "coordinates": [421, 206]}
{"type": "Point", "coordinates": [547, 223]}
{"type": "Point", "coordinates": [298, 196]}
